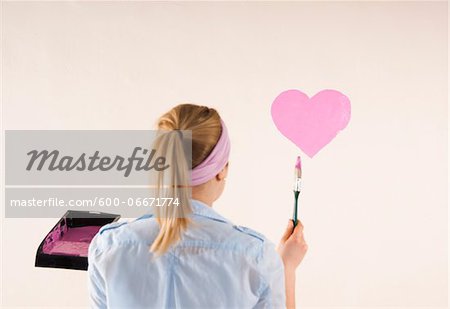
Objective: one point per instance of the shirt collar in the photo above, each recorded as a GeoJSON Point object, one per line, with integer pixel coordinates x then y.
{"type": "Point", "coordinates": [201, 209]}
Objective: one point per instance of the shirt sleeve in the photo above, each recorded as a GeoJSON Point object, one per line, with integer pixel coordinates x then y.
{"type": "Point", "coordinates": [272, 288]}
{"type": "Point", "coordinates": [96, 282]}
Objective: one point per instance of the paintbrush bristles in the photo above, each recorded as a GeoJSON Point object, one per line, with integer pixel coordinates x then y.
{"type": "Point", "coordinates": [298, 173]}
{"type": "Point", "coordinates": [298, 168]}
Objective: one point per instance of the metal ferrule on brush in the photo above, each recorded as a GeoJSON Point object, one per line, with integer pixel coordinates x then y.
{"type": "Point", "coordinates": [298, 184]}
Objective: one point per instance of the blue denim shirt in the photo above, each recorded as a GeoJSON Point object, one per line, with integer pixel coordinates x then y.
{"type": "Point", "coordinates": [216, 264]}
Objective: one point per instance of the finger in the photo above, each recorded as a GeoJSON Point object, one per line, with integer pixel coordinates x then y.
{"type": "Point", "coordinates": [288, 230]}
{"type": "Point", "coordinates": [298, 226]}
{"type": "Point", "coordinates": [298, 231]}
{"type": "Point", "coordinates": [299, 222]}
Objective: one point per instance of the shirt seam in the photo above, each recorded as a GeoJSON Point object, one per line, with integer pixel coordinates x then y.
{"type": "Point", "coordinates": [170, 294]}
{"type": "Point", "coordinates": [264, 285]}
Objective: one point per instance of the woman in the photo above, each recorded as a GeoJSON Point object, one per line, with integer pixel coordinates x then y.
{"type": "Point", "coordinates": [190, 256]}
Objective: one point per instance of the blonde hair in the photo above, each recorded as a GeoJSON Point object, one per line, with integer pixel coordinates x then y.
{"type": "Point", "coordinates": [204, 123]}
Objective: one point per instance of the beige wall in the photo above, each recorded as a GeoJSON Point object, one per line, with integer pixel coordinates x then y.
{"type": "Point", "coordinates": [374, 204]}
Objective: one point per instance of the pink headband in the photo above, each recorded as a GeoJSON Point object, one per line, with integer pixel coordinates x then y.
{"type": "Point", "coordinates": [215, 161]}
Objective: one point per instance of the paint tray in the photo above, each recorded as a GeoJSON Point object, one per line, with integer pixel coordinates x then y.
{"type": "Point", "coordinates": [66, 245]}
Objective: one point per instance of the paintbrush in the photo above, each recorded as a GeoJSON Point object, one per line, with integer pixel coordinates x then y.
{"type": "Point", "coordinates": [297, 187]}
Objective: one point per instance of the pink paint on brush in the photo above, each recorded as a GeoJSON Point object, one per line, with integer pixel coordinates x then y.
{"type": "Point", "coordinates": [70, 241]}
{"type": "Point", "coordinates": [298, 164]}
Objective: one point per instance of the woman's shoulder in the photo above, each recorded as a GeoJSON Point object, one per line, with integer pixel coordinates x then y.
{"type": "Point", "coordinates": [259, 241]}
{"type": "Point", "coordinates": [250, 232]}
{"type": "Point", "coordinates": [137, 232]}
{"type": "Point", "coordinates": [225, 235]}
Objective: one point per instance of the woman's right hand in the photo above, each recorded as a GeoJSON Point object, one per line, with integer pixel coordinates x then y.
{"type": "Point", "coordinates": [292, 247]}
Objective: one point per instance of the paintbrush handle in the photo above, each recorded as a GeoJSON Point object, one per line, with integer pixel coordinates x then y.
{"type": "Point", "coordinates": [295, 215]}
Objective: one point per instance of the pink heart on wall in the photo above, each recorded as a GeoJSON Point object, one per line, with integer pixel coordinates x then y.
{"type": "Point", "coordinates": [311, 123]}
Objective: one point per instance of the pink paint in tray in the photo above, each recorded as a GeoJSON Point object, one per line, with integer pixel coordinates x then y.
{"type": "Point", "coordinates": [70, 241]}
{"type": "Point", "coordinates": [67, 243]}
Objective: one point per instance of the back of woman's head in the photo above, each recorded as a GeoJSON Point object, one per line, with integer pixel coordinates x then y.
{"type": "Point", "coordinates": [204, 122]}
{"type": "Point", "coordinates": [205, 126]}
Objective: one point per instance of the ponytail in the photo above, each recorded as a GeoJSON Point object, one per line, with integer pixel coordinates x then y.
{"type": "Point", "coordinates": [172, 183]}
{"type": "Point", "coordinates": [183, 150]}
